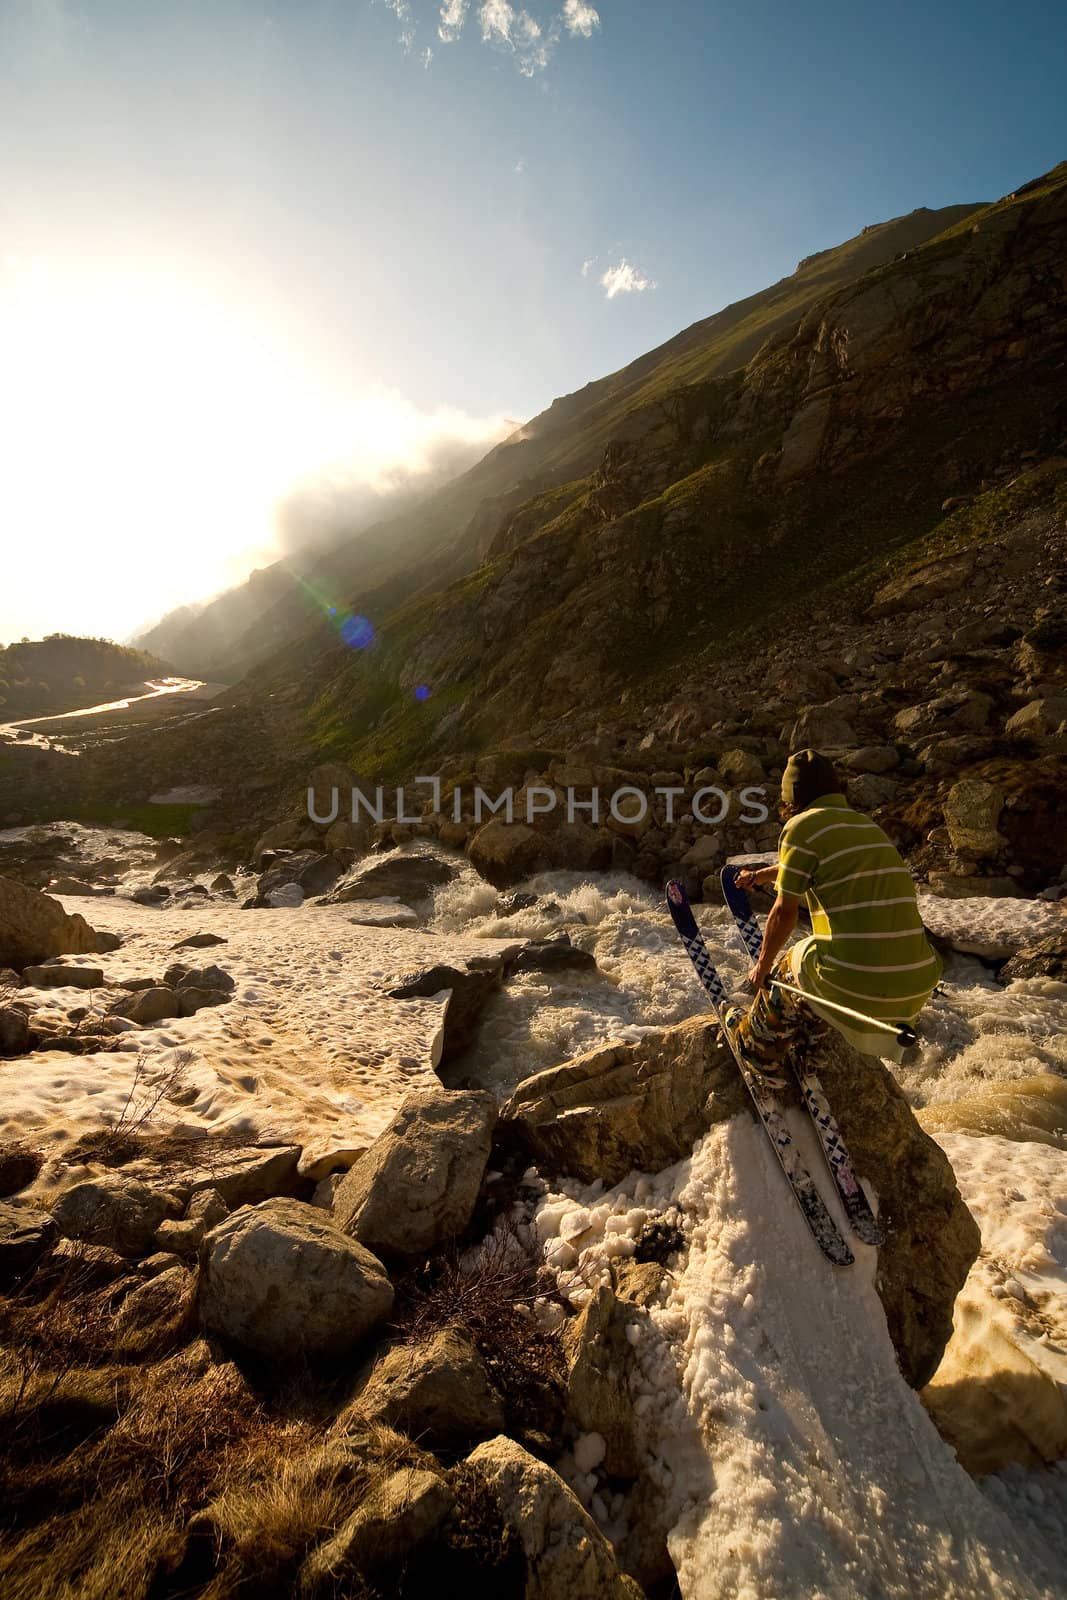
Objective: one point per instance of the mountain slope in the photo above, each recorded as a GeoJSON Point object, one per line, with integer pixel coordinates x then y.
{"type": "Point", "coordinates": [729, 499]}
{"type": "Point", "coordinates": [447, 533]}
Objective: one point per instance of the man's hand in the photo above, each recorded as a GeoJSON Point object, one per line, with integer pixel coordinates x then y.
{"type": "Point", "coordinates": [757, 978]}
{"type": "Point", "coordinates": [751, 877]}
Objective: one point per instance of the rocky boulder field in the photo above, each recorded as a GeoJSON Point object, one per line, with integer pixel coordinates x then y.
{"type": "Point", "coordinates": [377, 1334]}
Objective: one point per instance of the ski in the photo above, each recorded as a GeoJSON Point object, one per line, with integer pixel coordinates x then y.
{"type": "Point", "coordinates": [861, 1218]}
{"type": "Point", "coordinates": [822, 1225]}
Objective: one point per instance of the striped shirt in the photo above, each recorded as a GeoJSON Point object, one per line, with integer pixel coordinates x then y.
{"type": "Point", "coordinates": [868, 948]}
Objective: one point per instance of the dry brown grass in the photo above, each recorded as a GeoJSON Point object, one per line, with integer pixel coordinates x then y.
{"type": "Point", "coordinates": [137, 1465]}
{"type": "Point", "coordinates": [492, 1300]}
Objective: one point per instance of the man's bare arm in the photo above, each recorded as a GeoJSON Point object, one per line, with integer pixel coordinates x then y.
{"type": "Point", "coordinates": [780, 924]}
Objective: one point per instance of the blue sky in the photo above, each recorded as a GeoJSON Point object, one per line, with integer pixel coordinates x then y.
{"type": "Point", "coordinates": [248, 245]}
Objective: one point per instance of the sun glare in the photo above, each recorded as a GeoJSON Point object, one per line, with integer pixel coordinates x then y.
{"type": "Point", "coordinates": [150, 436]}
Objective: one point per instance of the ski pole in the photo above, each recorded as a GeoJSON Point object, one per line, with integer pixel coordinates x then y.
{"type": "Point", "coordinates": [905, 1033]}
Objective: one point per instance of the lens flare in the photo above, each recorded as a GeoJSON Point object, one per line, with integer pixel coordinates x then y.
{"type": "Point", "coordinates": [357, 633]}
{"type": "Point", "coordinates": [422, 692]}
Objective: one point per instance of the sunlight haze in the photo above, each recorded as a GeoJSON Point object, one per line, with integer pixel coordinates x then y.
{"type": "Point", "coordinates": [251, 252]}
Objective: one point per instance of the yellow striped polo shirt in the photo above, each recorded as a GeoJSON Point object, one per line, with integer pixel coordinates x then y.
{"type": "Point", "coordinates": [868, 948]}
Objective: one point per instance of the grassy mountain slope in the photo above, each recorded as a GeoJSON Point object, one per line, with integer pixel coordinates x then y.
{"type": "Point", "coordinates": [445, 535]}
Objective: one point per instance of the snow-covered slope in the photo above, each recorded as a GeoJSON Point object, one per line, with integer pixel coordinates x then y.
{"type": "Point", "coordinates": [821, 1474]}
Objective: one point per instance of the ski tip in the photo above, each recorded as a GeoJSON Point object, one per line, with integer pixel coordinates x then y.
{"type": "Point", "coordinates": [676, 895]}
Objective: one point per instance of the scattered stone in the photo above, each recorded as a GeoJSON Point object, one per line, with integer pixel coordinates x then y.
{"type": "Point", "coordinates": [286, 897]}
{"type": "Point", "coordinates": [382, 914]}
{"type": "Point", "coordinates": [205, 1211]}
{"type": "Point", "coordinates": [554, 955]}
{"type": "Point", "coordinates": [62, 977]}
{"type": "Point", "coordinates": [867, 791]}
{"type": "Point", "coordinates": [280, 1281]}
{"type": "Point", "coordinates": [223, 884]}
{"type": "Point", "coordinates": [201, 941]}
{"type": "Point", "coordinates": [418, 1183]}
{"type": "Point", "coordinates": [506, 852]}
{"type": "Point", "coordinates": [471, 987]}
{"type": "Point", "coordinates": [601, 1348]}
{"type": "Point", "coordinates": [72, 887]}
{"type": "Point", "coordinates": [1046, 959]}
{"type": "Point", "coordinates": [161, 1302]}
{"type": "Point", "coordinates": [118, 1212]}
{"type": "Point", "coordinates": [180, 976]}
{"type": "Point", "coordinates": [567, 1557]}
{"type": "Point", "coordinates": [244, 1177]}
{"type": "Point", "coordinates": [509, 904]}
{"type": "Point", "coordinates": [875, 758]}
{"type": "Point", "coordinates": [26, 1236]}
{"type": "Point", "coordinates": [1041, 719]}
{"type": "Point", "coordinates": [972, 811]}
{"type": "Point", "coordinates": [15, 1034]}
{"type": "Point", "coordinates": [147, 1006]}
{"type": "Point", "coordinates": [963, 711]}
{"type": "Point", "coordinates": [152, 896]}
{"type": "Point", "coordinates": [438, 1392]}
{"type": "Point", "coordinates": [19, 1165]}
{"type": "Point", "coordinates": [191, 1000]}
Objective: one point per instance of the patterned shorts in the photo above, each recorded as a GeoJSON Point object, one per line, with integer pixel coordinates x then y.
{"type": "Point", "coordinates": [767, 1031]}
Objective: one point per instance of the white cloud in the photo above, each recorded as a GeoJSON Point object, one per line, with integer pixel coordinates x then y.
{"type": "Point", "coordinates": [587, 266]}
{"type": "Point", "coordinates": [426, 57]}
{"type": "Point", "coordinates": [453, 16]}
{"type": "Point", "coordinates": [623, 279]}
{"type": "Point", "coordinates": [401, 9]}
{"type": "Point", "coordinates": [519, 33]}
{"type": "Point", "coordinates": [580, 17]}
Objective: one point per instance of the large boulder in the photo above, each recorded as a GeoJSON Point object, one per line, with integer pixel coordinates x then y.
{"type": "Point", "coordinates": [400, 875]}
{"type": "Point", "coordinates": [418, 1183]}
{"type": "Point", "coordinates": [280, 1281]}
{"type": "Point", "coordinates": [113, 1210]}
{"type": "Point", "coordinates": [567, 1557]}
{"type": "Point", "coordinates": [34, 927]}
{"type": "Point", "coordinates": [931, 1239]}
{"type": "Point", "coordinates": [438, 1392]}
{"type": "Point", "coordinates": [626, 1107]}
{"type": "Point", "coordinates": [399, 1513]}
{"type": "Point", "coordinates": [506, 852]}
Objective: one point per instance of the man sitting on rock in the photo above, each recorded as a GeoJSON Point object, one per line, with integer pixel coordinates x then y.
{"type": "Point", "coordinates": [868, 948]}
